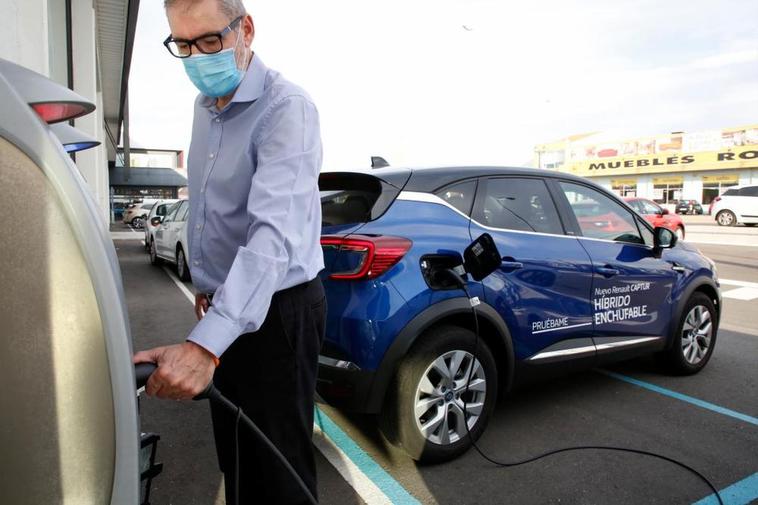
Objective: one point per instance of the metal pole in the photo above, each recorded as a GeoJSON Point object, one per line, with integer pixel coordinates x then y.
{"type": "Point", "coordinates": [127, 156]}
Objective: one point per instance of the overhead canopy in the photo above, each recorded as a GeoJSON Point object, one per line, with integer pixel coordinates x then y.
{"type": "Point", "coordinates": [147, 177]}
{"type": "Point", "coordinates": [116, 23]}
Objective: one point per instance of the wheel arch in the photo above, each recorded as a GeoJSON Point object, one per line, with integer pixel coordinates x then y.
{"type": "Point", "coordinates": [701, 285]}
{"type": "Point", "coordinates": [453, 311]}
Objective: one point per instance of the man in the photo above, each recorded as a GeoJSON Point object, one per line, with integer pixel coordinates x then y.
{"type": "Point", "coordinates": [254, 231]}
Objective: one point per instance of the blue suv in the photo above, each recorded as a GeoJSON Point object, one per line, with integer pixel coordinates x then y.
{"type": "Point", "coordinates": [584, 281]}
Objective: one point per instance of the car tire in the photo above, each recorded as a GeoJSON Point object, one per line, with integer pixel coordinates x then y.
{"type": "Point", "coordinates": [726, 218]}
{"type": "Point", "coordinates": [695, 338]}
{"type": "Point", "coordinates": [182, 270]}
{"type": "Point", "coordinates": [137, 222]}
{"type": "Point", "coordinates": [154, 259]}
{"type": "Point", "coordinates": [679, 232]}
{"type": "Point", "coordinates": [421, 395]}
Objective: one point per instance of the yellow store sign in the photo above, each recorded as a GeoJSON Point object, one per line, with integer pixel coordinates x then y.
{"type": "Point", "coordinates": [724, 159]}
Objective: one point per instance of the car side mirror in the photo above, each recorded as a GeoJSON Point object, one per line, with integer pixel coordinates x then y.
{"type": "Point", "coordinates": [664, 238]}
{"type": "Point", "coordinates": [481, 257]}
{"type": "Point", "coordinates": [664, 212]}
{"type": "Point", "coordinates": [156, 220]}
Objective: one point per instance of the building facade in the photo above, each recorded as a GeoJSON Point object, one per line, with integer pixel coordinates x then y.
{"type": "Point", "coordinates": [85, 45]}
{"type": "Point", "coordinates": [664, 168]}
{"type": "Point", "coordinates": [152, 173]}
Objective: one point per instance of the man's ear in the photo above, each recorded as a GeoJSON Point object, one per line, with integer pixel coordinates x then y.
{"type": "Point", "coordinates": [248, 28]}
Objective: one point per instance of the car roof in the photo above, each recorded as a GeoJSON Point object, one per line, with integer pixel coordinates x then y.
{"type": "Point", "coordinates": [431, 178]}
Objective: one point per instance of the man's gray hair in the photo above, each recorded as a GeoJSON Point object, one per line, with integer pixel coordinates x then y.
{"type": "Point", "coordinates": [230, 8]}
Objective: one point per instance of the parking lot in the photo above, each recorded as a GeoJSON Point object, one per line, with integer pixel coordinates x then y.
{"type": "Point", "coordinates": [708, 421]}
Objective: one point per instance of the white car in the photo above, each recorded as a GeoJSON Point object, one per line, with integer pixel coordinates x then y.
{"type": "Point", "coordinates": [737, 205]}
{"type": "Point", "coordinates": [170, 240]}
{"type": "Point", "coordinates": [136, 213]}
{"type": "Point", "coordinates": [160, 209]}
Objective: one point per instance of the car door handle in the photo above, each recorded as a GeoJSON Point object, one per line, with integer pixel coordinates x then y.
{"type": "Point", "coordinates": [607, 271]}
{"type": "Point", "coordinates": [510, 264]}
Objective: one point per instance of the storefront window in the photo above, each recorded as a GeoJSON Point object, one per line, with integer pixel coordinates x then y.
{"type": "Point", "coordinates": [713, 186]}
{"type": "Point", "coordinates": [667, 193]}
{"type": "Point", "coordinates": [625, 190]}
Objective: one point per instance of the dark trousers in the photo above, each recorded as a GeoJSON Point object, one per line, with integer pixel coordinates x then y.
{"type": "Point", "coordinates": [271, 375]}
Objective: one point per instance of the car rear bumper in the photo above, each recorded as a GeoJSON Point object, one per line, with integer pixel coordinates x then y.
{"type": "Point", "coordinates": [343, 385]}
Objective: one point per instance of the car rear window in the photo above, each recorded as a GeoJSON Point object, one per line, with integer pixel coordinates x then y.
{"type": "Point", "coordinates": [731, 192]}
{"type": "Point", "coordinates": [349, 198]}
{"type": "Point", "coordinates": [148, 206]}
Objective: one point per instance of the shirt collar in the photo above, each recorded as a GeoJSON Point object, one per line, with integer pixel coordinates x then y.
{"type": "Point", "coordinates": [251, 86]}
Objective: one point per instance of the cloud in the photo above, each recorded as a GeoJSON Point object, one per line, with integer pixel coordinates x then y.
{"type": "Point", "coordinates": [406, 81]}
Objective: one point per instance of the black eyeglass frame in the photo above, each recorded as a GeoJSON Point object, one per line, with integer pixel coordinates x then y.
{"type": "Point", "coordinates": [193, 42]}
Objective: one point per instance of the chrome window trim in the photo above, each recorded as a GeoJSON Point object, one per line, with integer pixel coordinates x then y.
{"type": "Point", "coordinates": [418, 196]}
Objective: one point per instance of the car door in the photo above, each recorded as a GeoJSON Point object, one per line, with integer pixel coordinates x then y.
{"type": "Point", "coordinates": [632, 285]}
{"type": "Point", "coordinates": [163, 232]}
{"type": "Point", "coordinates": [542, 288]}
{"type": "Point", "coordinates": [174, 228]}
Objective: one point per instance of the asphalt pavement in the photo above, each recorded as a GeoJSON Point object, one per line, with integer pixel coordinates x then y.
{"type": "Point", "coordinates": [708, 421]}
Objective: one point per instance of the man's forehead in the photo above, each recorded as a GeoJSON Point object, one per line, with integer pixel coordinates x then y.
{"type": "Point", "coordinates": [192, 18]}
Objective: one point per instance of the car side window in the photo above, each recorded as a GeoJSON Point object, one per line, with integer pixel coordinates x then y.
{"type": "Point", "coordinates": [647, 235]}
{"type": "Point", "coordinates": [171, 212]}
{"type": "Point", "coordinates": [459, 195]}
{"type": "Point", "coordinates": [731, 192]}
{"type": "Point", "coordinates": [749, 191]}
{"type": "Point", "coordinates": [522, 204]}
{"type": "Point", "coordinates": [650, 208]}
{"type": "Point", "coordinates": [162, 209]}
{"type": "Point", "coordinates": [636, 205]}
{"type": "Point", "coordinates": [599, 216]}
{"type": "Point", "coordinates": [182, 215]}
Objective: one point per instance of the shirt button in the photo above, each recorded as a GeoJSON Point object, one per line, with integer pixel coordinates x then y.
{"type": "Point", "coordinates": [218, 120]}
{"type": "Point", "coordinates": [210, 155]}
{"type": "Point", "coordinates": [198, 226]}
{"type": "Point", "coordinates": [196, 262]}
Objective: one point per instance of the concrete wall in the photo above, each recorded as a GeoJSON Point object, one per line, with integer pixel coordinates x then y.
{"type": "Point", "coordinates": [30, 35]}
{"type": "Point", "coordinates": [24, 33]}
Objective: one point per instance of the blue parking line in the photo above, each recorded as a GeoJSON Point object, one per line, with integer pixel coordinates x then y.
{"type": "Point", "coordinates": [739, 493]}
{"type": "Point", "coordinates": [679, 396]}
{"type": "Point", "coordinates": [384, 481]}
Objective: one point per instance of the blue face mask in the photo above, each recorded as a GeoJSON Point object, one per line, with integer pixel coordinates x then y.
{"type": "Point", "coordinates": [215, 75]}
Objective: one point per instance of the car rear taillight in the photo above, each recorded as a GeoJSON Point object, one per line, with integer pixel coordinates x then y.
{"type": "Point", "coordinates": [363, 256]}
{"type": "Point", "coordinates": [55, 112]}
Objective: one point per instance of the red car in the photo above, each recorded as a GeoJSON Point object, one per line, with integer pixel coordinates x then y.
{"type": "Point", "coordinates": [657, 215]}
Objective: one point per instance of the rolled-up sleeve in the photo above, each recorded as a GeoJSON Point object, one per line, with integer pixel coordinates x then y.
{"type": "Point", "coordinates": [282, 190]}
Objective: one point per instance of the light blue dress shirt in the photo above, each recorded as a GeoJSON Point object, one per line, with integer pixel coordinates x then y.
{"type": "Point", "coordinates": [255, 210]}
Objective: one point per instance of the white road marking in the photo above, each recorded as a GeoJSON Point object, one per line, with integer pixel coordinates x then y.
{"type": "Point", "coordinates": [744, 284]}
{"type": "Point", "coordinates": [365, 487]}
{"type": "Point", "coordinates": [746, 294]}
{"type": "Point", "coordinates": [181, 286]}
{"type": "Point", "coordinates": [349, 471]}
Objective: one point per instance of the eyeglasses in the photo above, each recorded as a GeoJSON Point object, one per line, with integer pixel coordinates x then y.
{"type": "Point", "coordinates": [207, 44]}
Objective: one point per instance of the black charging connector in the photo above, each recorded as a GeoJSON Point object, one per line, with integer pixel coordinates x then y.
{"type": "Point", "coordinates": [453, 277]}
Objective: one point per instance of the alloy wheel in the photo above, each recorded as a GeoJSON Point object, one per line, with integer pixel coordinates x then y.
{"type": "Point", "coordinates": [442, 406]}
{"type": "Point", "coordinates": [726, 218]}
{"type": "Point", "coordinates": [696, 334]}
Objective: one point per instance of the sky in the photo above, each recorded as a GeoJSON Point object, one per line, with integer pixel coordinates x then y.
{"type": "Point", "coordinates": [447, 82]}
